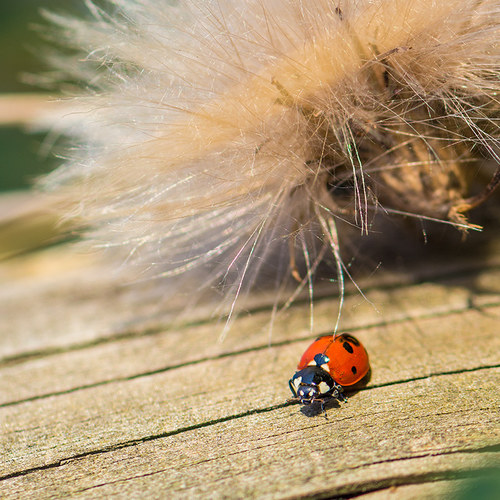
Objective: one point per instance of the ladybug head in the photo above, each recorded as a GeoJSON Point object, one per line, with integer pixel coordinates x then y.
{"type": "Point", "coordinates": [307, 393]}
{"type": "Point", "coordinates": [310, 384]}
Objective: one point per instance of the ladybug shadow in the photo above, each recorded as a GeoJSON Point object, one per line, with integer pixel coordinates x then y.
{"type": "Point", "coordinates": [319, 406]}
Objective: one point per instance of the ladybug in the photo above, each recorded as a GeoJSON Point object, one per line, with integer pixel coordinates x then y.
{"type": "Point", "coordinates": [328, 364]}
{"type": "Point", "coordinates": [347, 358]}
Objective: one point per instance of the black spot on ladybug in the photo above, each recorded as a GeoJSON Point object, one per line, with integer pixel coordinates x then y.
{"type": "Point", "coordinates": [351, 339]}
{"type": "Point", "coordinates": [353, 369]}
{"type": "Point", "coordinates": [348, 347]}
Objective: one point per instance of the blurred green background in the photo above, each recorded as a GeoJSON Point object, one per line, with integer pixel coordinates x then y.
{"type": "Point", "coordinates": [21, 160]}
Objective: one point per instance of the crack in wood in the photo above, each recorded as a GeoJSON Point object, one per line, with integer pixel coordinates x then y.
{"type": "Point", "coordinates": [144, 439]}
{"type": "Point", "coordinates": [438, 278]}
{"type": "Point", "coordinates": [346, 491]}
{"type": "Point", "coordinates": [225, 355]}
{"type": "Point", "coordinates": [134, 442]}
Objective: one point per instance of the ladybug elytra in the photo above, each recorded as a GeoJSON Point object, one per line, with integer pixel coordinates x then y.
{"type": "Point", "coordinates": [329, 364]}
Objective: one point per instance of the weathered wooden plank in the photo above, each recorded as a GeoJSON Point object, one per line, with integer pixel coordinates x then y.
{"type": "Point", "coordinates": [78, 303]}
{"type": "Point", "coordinates": [62, 301]}
{"type": "Point", "coordinates": [439, 425]}
{"type": "Point", "coordinates": [56, 299]}
{"type": "Point", "coordinates": [132, 409]}
{"type": "Point", "coordinates": [99, 398]}
{"type": "Point", "coordinates": [165, 350]}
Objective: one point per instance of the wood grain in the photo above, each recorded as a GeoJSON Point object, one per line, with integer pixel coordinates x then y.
{"type": "Point", "coordinates": [99, 399]}
{"type": "Point", "coordinates": [425, 428]}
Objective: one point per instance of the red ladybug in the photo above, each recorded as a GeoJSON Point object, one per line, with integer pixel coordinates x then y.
{"type": "Point", "coordinates": [329, 363]}
{"type": "Point", "coordinates": [347, 358]}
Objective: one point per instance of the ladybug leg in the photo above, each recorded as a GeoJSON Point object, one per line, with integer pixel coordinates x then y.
{"type": "Point", "coordinates": [337, 392]}
{"type": "Point", "coordinates": [342, 398]}
{"type": "Point", "coordinates": [323, 409]}
{"type": "Point", "coordinates": [292, 388]}
{"type": "Point", "coordinates": [323, 401]}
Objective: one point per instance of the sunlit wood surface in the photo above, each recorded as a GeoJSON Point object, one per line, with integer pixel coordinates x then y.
{"type": "Point", "coordinates": [99, 398]}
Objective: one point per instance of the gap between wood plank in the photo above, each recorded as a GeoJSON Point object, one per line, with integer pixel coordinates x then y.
{"type": "Point", "coordinates": [29, 356]}
{"type": "Point", "coordinates": [148, 373]}
{"type": "Point", "coordinates": [174, 367]}
{"type": "Point", "coordinates": [256, 411]}
{"type": "Point", "coordinates": [436, 278]}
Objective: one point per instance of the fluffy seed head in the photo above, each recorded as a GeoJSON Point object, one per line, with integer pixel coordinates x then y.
{"type": "Point", "coordinates": [229, 138]}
